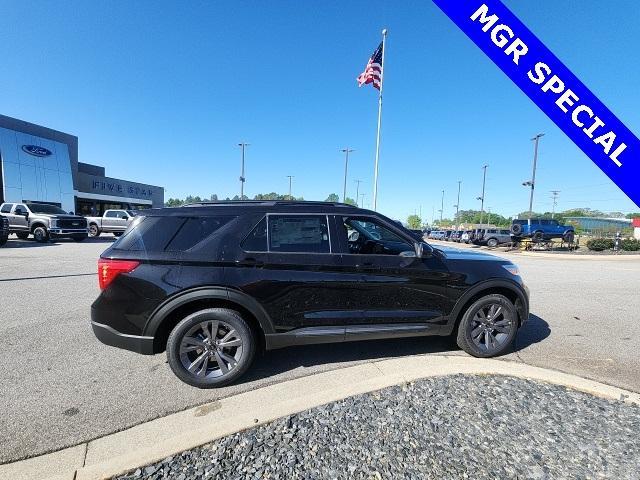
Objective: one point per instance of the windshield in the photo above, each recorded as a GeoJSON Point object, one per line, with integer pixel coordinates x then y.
{"type": "Point", "coordinates": [46, 209]}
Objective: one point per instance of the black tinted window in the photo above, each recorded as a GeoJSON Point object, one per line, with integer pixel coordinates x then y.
{"type": "Point", "coordinates": [194, 230]}
{"type": "Point", "coordinates": [256, 241]}
{"type": "Point", "coordinates": [298, 233]}
{"type": "Point", "coordinates": [6, 208]}
{"type": "Point", "coordinates": [152, 234]}
{"type": "Point", "coordinates": [46, 209]}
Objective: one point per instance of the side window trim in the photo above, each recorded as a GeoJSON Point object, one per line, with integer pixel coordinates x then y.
{"type": "Point", "coordinates": [293, 214]}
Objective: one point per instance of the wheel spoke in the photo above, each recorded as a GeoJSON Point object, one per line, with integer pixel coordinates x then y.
{"type": "Point", "coordinates": [476, 332]}
{"type": "Point", "coordinates": [501, 323]}
{"type": "Point", "coordinates": [229, 359]}
{"type": "Point", "coordinates": [487, 342]}
{"type": "Point", "coordinates": [496, 312]}
{"type": "Point", "coordinates": [205, 364]}
{"type": "Point", "coordinates": [230, 334]}
{"type": "Point", "coordinates": [223, 367]}
{"type": "Point", "coordinates": [231, 343]}
{"type": "Point", "coordinates": [197, 362]}
{"type": "Point", "coordinates": [502, 328]}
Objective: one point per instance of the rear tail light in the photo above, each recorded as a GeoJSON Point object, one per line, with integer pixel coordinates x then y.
{"type": "Point", "coordinates": [108, 270]}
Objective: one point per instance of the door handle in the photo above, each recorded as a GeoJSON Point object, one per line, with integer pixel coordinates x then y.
{"type": "Point", "coordinates": [249, 262]}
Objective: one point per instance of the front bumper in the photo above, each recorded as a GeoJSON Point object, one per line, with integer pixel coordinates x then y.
{"type": "Point", "coordinates": [62, 232]}
{"type": "Point", "coordinates": [135, 343]}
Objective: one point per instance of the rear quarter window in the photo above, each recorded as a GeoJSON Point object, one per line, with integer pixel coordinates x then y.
{"type": "Point", "coordinates": [160, 234]}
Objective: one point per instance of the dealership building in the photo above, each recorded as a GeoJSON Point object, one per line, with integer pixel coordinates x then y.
{"type": "Point", "coordinates": [40, 165]}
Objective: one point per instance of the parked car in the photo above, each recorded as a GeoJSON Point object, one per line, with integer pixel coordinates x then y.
{"type": "Point", "coordinates": [111, 221]}
{"type": "Point", "coordinates": [492, 237]}
{"type": "Point", "coordinates": [437, 235]}
{"type": "Point", "coordinates": [447, 235]}
{"type": "Point", "coordinates": [539, 229]}
{"type": "Point", "coordinates": [214, 284]}
{"type": "Point", "coordinates": [4, 230]}
{"type": "Point", "coordinates": [466, 236]}
{"type": "Point", "coordinates": [43, 221]}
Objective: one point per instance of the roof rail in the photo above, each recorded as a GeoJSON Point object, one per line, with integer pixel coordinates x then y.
{"type": "Point", "coordinates": [265, 202]}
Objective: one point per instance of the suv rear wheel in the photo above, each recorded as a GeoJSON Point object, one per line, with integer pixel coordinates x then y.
{"type": "Point", "coordinates": [211, 348]}
{"type": "Point", "coordinates": [94, 231]}
{"type": "Point", "coordinates": [492, 242]}
{"type": "Point", "coordinates": [488, 327]}
{"type": "Point", "coordinates": [538, 236]}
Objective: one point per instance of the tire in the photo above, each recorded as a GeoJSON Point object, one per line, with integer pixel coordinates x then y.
{"type": "Point", "coordinates": [94, 231]}
{"type": "Point", "coordinates": [41, 234]}
{"type": "Point", "coordinates": [492, 243]}
{"type": "Point", "coordinates": [207, 373]}
{"type": "Point", "coordinates": [506, 319]}
{"type": "Point", "coordinates": [516, 228]}
{"type": "Point", "coordinates": [569, 236]}
{"type": "Point", "coordinates": [80, 238]}
{"type": "Point", "coordinates": [538, 237]}
{"type": "Point", "coordinates": [3, 241]}
{"type": "Point", "coordinates": [22, 235]}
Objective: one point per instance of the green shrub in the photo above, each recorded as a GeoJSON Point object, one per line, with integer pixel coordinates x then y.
{"type": "Point", "coordinates": [630, 245]}
{"type": "Point", "coordinates": [600, 244]}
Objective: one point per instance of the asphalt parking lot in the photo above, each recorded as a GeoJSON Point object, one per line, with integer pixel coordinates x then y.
{"type": "Point", "coordinates": [59, 386]}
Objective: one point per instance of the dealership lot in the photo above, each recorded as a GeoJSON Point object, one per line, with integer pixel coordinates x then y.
{"type": "Point", "coordinates": [60, 386]}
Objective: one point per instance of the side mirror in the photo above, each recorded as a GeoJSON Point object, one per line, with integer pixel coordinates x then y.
{"type": "Point", "coordinates": [423, 250]}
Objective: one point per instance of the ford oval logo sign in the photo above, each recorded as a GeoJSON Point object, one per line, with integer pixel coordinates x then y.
{"type": "Point", "coordinates": [36, 150]}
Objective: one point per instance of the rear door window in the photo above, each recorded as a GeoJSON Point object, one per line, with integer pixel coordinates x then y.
{"type": "Point", "coordinates": [256, 241]}
{"type": "Point", "coordinates": [6, 208]}
{"type": "Point", "coordinates": [298, 233]}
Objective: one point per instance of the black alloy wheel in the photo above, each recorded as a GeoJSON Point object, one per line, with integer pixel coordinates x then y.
{"type": "Point", "coordinates": [488, 328]}
{"type": "Point", "coordinates": [538, 237]}
{"type": "Point", "coordinates": [516, 228]}
{"type": "Point", "coordinates": [211, 348]}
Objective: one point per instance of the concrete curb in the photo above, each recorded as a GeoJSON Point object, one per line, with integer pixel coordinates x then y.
{"type": "Point", "coordinates": [155, 440]}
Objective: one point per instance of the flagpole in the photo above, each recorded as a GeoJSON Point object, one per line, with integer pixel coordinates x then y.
{"type": "Point", "coordinates": [375, 175]}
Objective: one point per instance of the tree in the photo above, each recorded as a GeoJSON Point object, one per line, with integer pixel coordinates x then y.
{"type": "Point", "coordinates": [633, 215]}
{"type": "Point", "coordinates": [414, 222]}
{"type": "Point", "coordinates": [213, 197]}
{"type": "Point", "coordinates": [350, 201]}
{"type": "Point", "coordinates": [333, 197]}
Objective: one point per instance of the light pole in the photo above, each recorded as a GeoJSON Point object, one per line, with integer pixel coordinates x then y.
{"type": "Point", "coordinates": [481, 198]}
{"type": "Point", "coordinates": [346, 152]}
{"type": "Point", "coordinates": [242, 177]}
{"type": "Point", "coordinates": [488, 216]}
{"type": "Point", "coordinates": [457, 205]}
{"type": "Point", "coordinates": [358, 182]}
{"type": "Point", "coordinates": [554, 195]}
{"type": "Point", "coordinates": [532, 183]}
{"type": "Point", "coordinates": [290, 177]}
{"type": "Point", "coordinates": [441, 206]}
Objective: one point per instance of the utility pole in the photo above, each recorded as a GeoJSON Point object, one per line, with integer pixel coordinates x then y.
{"type": "Point", "coordinates": [242, 177]}
{"type": "Point", "coordinates": [489, 216]}
{"type": "Point", "coordinates": [481, 198]}
{"type": "Point", "coordinates": [554, 195]}
{"type": "Point", "coordinates": [532, 183]}
{"type": "Point", "coordinates": [346, 152]}
{"type": "Point", "coordinates": [457, 205]}
{"type": "Point", "coordinates": [441, 206]}
{"type": "Point", "coordinates": [358, 182]}
{"type": "Point", "coordinates": [290, 177]}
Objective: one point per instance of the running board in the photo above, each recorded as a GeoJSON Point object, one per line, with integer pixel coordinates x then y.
{"type": "Point", "coordinates": [316, 335]}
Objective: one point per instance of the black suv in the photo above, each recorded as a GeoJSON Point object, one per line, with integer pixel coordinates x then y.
{"type": "Point", "coordinates": [214, 283]}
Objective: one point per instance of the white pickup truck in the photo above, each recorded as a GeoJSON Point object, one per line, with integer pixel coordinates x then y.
{"type": "Point", "coordinates": [112, 221]}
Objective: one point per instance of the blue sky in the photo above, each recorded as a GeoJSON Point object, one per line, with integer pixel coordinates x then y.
{"type": "Point", "coordinates": [162, 92]}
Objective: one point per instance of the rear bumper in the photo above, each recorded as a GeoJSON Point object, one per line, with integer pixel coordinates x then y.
{"type": "Point", "coordinates": [135, 343]}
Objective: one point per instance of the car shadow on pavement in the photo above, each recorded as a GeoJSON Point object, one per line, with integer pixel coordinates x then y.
{"type": "Point", "coordinates": [276, 362]}
{"type": "Point", "coordinates": [16, 243]}
{"type": "Point", "coordinates": [534, 331]}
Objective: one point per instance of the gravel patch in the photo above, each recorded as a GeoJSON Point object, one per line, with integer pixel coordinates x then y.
{"type": "Point", "coordinates": [462, 426]}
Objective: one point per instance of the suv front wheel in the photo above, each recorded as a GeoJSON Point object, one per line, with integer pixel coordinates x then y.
{"type": "Point", "coordinates": [211, 348]}
{"type": "Point", "coordinates": [488, 327]}
{"type": "Point", "coordinates": [41, 234]}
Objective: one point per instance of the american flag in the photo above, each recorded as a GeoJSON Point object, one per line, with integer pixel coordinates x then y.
{"type": "Point", "coordinates": [373, 69]}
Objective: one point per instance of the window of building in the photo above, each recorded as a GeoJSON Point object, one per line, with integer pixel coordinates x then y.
{"type": "Point", "coordinates": [256, 241]}
{"type": "Point", "coordinates": [298, 233]}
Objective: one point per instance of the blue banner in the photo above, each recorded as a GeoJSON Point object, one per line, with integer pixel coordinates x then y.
{"type": "Point", "coordinates": [551, 86]}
